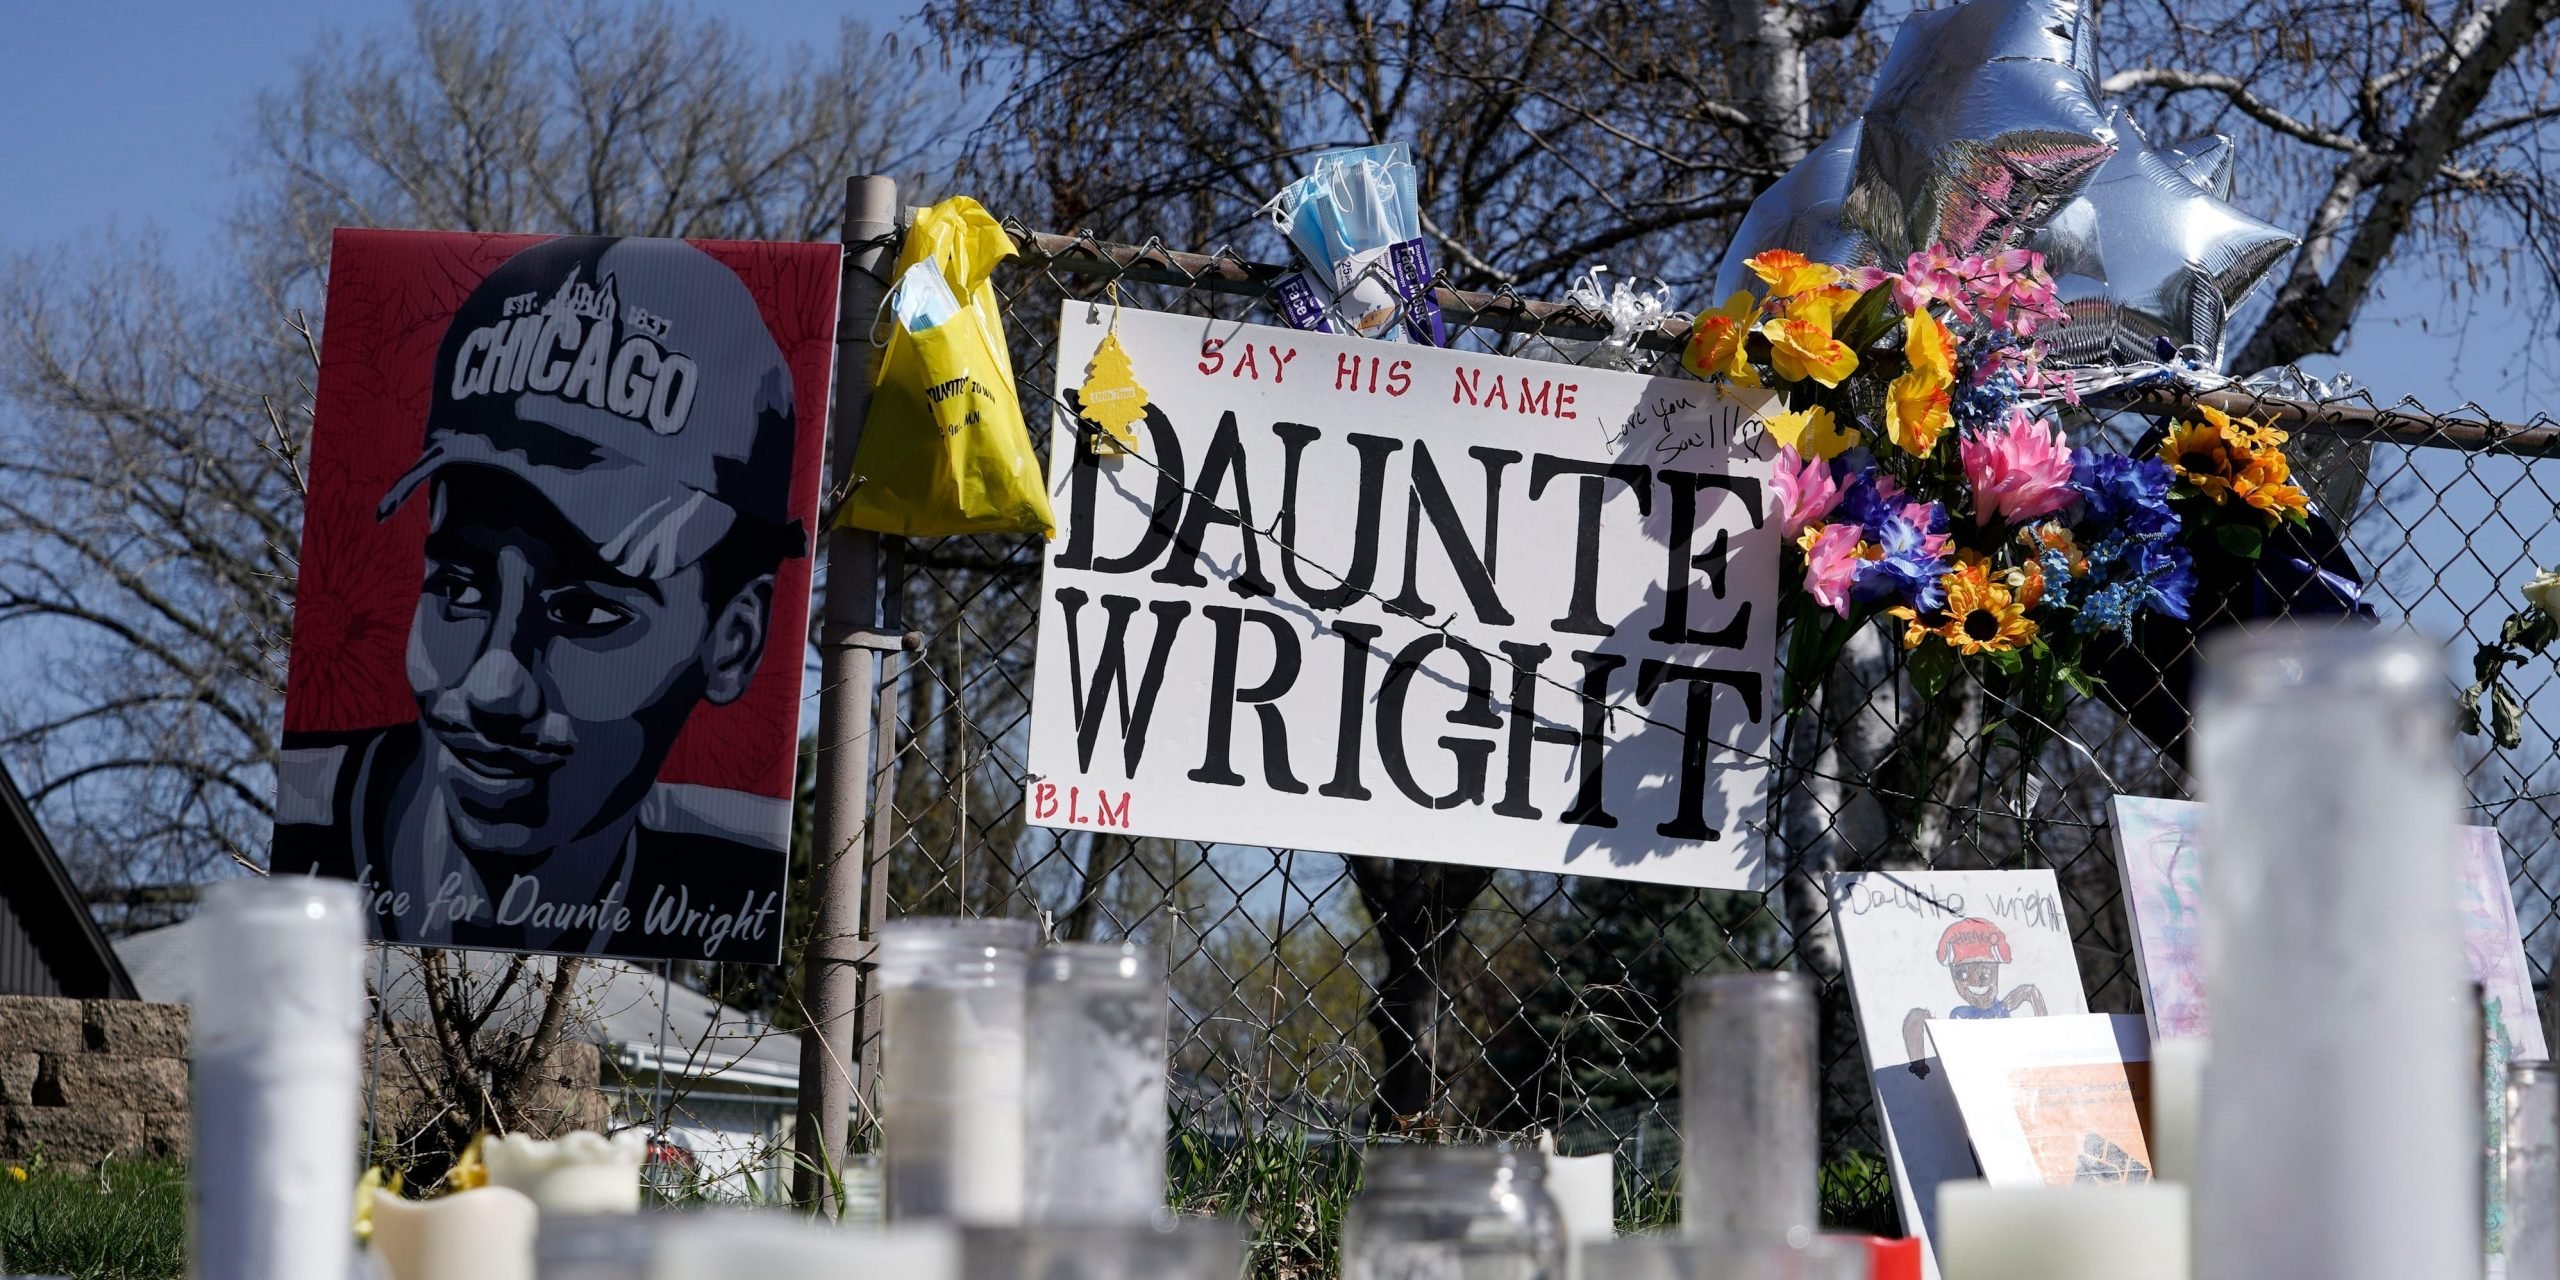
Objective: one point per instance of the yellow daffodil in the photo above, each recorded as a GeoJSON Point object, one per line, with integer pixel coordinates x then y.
{"type": "Point", "coordinates": [1928, 347]}
{"type": "Point", "coordinates": [372, 1181]}
{"type": "Point", "coordinates": [1811, 432]}
{"type": "Point", "coordinates": [1982, 615]}
{"type": "Point", "coordinates": [1918, 404]}
{"type": "Point", "coordinates": [1786, 272]}
{"type": "Point", "coordinates": [467, 1172]}
{"type": "Point", "coordinates": [1916, 412]}
{"type": "Point", "coordinates": [1801, 349]}
{"type": "Point", "coordinates": [2199, 454]}
{"type": "Point", "coordinates": [1822, 306]}
{"type": "Point", "coordinates": [1716, 342]}
{"type": "Point", "coordinates": [17, 1173]}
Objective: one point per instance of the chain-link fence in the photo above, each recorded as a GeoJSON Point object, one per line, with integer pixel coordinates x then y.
{"type": "Point", "coordinates": [1338, 997]}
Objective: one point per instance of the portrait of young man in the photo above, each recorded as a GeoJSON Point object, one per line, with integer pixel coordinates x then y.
{"type": "Point", "coordinates": [612, 512]}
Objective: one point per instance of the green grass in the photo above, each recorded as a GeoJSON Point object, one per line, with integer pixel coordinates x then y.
{"type": "Point", "coordinates": [127, 1221]}
{"type": "Point", "coordinates": [1289, 1188]}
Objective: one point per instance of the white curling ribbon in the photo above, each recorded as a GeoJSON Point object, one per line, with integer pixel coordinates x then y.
{"type": "Point", "coordinates": [578, 1173]}
{"type": "Point", "coordinates": [1631, 311]}
{"type": "Point", "coordinates": [483, 1234]}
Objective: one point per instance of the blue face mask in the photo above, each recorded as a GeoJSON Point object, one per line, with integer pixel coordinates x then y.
{"type": "Point", "coordinates": [923, 299]}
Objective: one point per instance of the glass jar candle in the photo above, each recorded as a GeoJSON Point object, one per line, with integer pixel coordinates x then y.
{"type": "Point", "coordinates": [1097, 1154]}
{"type": "Point", "coordinates": [1749, 1144]}
{"type": "Point", "coordinates": [1452, 1213]}
{"type": "Point", "coordinates": [1166, 1248]}
{"type": "Point", "coordinates": [276, 1042]}
{"type": "Point", "coordinates": [951, 1067]}
{"type": "Point", "coordinates": [2530, 1224]}
{"type": "Point", "coordinates": [2341, 1133]}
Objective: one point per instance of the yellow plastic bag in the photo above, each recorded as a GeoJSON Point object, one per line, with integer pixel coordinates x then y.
{"type": "Point", "coordinates": [944, 450]}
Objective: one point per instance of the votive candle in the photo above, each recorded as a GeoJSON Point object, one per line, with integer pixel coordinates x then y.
{"type": "Point", "coordinates": [482, 1234]}
{"type": "Point", "coordinates": [2177, 1102]}
{"type": "Point", "coordinates": [573, 1174]}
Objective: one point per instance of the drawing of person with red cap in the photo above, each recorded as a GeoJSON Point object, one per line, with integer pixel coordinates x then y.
{"type": "Point", "coordinates": [1972, 949]}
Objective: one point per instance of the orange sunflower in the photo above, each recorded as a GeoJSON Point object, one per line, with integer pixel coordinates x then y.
{"type": "Point", "coordinates": [2267, 484]}
{"type": "Point", "coordinates": [2200, 454]}
{"type": "Point", "coordinates": [1982, 615]}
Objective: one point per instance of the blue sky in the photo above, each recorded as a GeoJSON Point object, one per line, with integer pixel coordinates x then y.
{"type": "Point", "coordinates": [127, 113]}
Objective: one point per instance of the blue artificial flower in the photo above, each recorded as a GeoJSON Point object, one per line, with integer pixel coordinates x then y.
{"type": "Point", "coordinates": [1909, 570]}
{"type": "Point", "coordinates": [2169, 574]}
{"type": "Point", "coordinates": [1983, 403]}
{"type": "Point", "coordinates": [1869, 500]}
{"type": "Point", "coordinates": [2131, 574]}
{"type": "Point", "coordinates": [2122, 493]}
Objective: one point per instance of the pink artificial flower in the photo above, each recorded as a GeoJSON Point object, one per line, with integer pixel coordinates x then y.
{"type": "Point", "coordinates": [2020, 471]}
{"type": "Point", "coordinates": [1805, 491]}
{"type": "Point", "coordinates": [1831, 563]}
{"type": "Point", "coordinates": [2023, 361]}
{"type": "Point", "coordinates": [1932, 275]}
{"type": "Point", "coordinates": [2013, 290]}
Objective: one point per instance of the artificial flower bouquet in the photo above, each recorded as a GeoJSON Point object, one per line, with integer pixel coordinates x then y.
{"type": "Point", "coordinates": [1923, 481]}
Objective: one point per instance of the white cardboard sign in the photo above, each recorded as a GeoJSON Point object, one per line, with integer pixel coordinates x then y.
{"type": "Point", "coordinates": [1926, 947]}
{"type": "Point", "coordinates": [1395, 600]}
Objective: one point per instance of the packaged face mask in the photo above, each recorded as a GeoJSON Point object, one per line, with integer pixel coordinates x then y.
{"type": "Point", "coordinates": [1354, 223]}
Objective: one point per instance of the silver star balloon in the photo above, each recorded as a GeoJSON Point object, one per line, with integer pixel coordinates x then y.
{"type": "Point", "coordinates": [1800, 211]}
{"type": "Point", "coordinates": [2208, 160]}
{"type": "Point", "coordinates": [2152, 251]}
{"type": "Point", "coordinates": [1983, 123]}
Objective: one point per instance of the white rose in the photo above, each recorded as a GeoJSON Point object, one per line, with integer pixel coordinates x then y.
{"type": "Point", "coordinates": [2544, 592]}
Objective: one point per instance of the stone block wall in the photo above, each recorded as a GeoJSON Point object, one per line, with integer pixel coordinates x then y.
{"type": "Point", "coordinates": [85, 1080]}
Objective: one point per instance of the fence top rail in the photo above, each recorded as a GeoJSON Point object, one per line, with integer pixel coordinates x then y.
{"type": "Point", "coordinates": [1225, 271]}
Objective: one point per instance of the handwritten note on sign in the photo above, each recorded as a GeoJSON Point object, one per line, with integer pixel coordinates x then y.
{"type": "Point", "coordinates": [1418, 603]}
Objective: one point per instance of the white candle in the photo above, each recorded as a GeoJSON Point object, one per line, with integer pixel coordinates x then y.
{"type": "Point", "coordinates": [275, 1039]}
{"type": "Point", "coordinates": [2133, 1232]}
{"type": "Point", "coordinates": [1095, 1147]}
{"type": "Point", "coordinates": [2177, 1101]}
{"type": "Point", "coordinates": [577, 1173]}
{"type": "Point", "coordinates": [952, 1072]}
{"type": "Point", "coordinates": [483, 1234]}
{"type": "Point", "coordinates": [1585, 1189]}
{"type": "Point", "coordinates": [775, 1246]}
{"type": "Point", "coordinates": [2341, 1133]}
{"type": "Point", "coordinates": [2531, 1224]}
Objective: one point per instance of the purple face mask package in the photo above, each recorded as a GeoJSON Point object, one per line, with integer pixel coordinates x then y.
{"type": "Point", "coordinates": [1355, 225]}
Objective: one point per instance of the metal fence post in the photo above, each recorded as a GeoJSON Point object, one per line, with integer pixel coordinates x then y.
{"type": "Point", "coordinates": [849, 645]}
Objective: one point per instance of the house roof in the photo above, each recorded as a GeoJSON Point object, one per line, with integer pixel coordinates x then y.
{"type": "Point", "coordinates": [615, 1005]}
{"type": "Point", "coordinates": [49, 943]}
